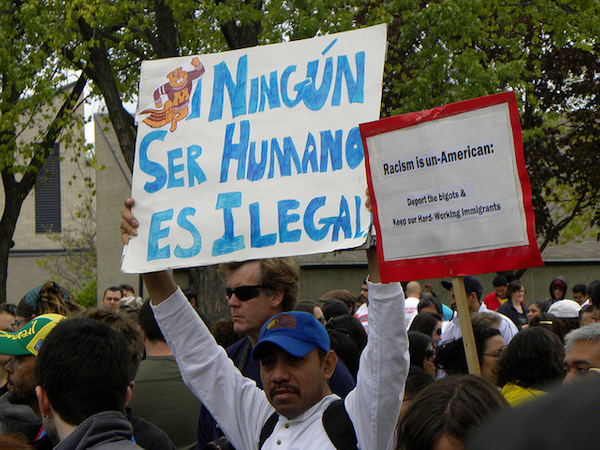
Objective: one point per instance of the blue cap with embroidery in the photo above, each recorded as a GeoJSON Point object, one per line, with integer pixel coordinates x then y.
{"type": "Point", "coordinates": [296, 332]}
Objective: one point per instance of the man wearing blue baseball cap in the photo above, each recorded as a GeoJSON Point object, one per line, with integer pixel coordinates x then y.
{"type": "Point", "coordinates": [296, 364]}
{"type": "Point", "coordinates": [289, 343]}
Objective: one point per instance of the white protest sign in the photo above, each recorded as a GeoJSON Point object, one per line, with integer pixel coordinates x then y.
{"type": "Point", "coordinates": [254, 153]}
{"type": "Point", "coordinates": [451, 192]}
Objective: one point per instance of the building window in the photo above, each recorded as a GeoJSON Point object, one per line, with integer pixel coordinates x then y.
{"type": "Point", "coordinates": [47, 195]}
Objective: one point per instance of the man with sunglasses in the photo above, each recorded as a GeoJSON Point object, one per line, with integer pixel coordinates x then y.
{"type": "Point", "coordinates": [256, 291]}
{"type": "Point", "coordinates": [297, 380]}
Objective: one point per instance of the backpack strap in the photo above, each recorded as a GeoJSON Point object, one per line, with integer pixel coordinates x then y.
{"type": "Point", "coordinates": [339, 427]}
{"type": "Point", "coordinates": [267, 429]}
{"type": "Point", "coordinates": [337, 424]}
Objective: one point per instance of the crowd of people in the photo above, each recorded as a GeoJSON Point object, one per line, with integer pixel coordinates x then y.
{"type": "Point", "coordinates": [384, 369]}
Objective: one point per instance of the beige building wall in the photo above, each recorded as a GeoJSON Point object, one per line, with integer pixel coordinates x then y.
{"type": "Point", "coordinates": [113, 180]}
{"type": "Point", "coordinates": [23, 271]}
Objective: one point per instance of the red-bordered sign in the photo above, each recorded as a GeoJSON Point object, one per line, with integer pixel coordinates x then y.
{"type": "Point", "coordinates": [450, 191]}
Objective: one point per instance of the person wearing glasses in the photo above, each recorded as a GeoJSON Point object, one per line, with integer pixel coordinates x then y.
{"type": "Point", "coordinates": [256, 291]}
{"type": "Point", "coordinates": [293, 353]}
{"type": "Point", "coordinates": [421, 352]}
{"type": "Point", "coordinates": [430, 324]}
{"type": "Point", "coordinates": [451, 358]}
{"type": "Point", "coordinates": [582, 352]}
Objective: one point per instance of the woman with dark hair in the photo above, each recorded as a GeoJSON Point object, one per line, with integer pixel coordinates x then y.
{"type": "Point", "coordinates": [532, 360]}
{"type": "Point", "coordinates": [352, 326]}
{"type": "Point", "coordinates": [551, 323]}
{"type": "Point", "coordinates": [312, 308]}
{"type": "Point", "coordinates": [446, 413]}
{"type": "Point", "coordinates": [416, 381]}
{"type": "Point", "coordinates": [431, 304]}
{"type": "Point", "coordinates": [451, 356]}
{"type": "Point", "coordinates": [515, 308]}
{"type": "Point", "coordinates": [421, 351]}
{"type": "Point", "coordinates": [429, 324]}
{"type": "Point", "coordinates": [345, 349]}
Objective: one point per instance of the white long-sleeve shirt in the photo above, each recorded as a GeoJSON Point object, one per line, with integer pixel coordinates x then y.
{"type": "Point", "coordinates": [241, 408]}
{"type": "Point", "coordinates": [507, 328]}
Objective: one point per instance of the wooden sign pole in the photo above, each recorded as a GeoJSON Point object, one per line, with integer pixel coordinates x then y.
{"type": "Point", "coordinates": [464, 317]}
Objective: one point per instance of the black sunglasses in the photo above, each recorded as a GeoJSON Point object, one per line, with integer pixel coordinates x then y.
{"type": "Point", "coordinates": [244, 293]}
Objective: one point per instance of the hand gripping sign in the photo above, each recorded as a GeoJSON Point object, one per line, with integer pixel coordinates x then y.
{"type": "Point", "coordinates": [450, 191]}
{"type": "Point", "coordinates": [254, 153]}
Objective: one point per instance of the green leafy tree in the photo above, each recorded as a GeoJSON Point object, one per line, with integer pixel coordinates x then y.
{"type": "Point", "coordinates": [439, 52]}
{"type": "Point", "coordinates": [107, 41]}
{"type": "Point", "coordinates": [36, 108]}
{"type": "Point", "coordinates": [546, 51]}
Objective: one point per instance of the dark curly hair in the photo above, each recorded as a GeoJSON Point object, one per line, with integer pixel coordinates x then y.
{"type": "Point", "coordinates": [451, 356]}
{"type": "Point", "coordinates": [533, 358]}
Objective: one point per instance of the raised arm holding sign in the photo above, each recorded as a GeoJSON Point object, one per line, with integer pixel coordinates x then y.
{"type": "Point", "coordinates": [272, 169]}
{"type": "Point", "coordinates": [254, 152]}
{"type": "Point", "coordinates": [296, 365]}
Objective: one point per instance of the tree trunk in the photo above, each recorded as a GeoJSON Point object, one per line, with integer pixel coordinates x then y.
{"type": "Point", "coordinates": [211, 292]}
{"type": "Point", "coordinates": [101, 72]}
{"type": "Point", "coordinates": [14, 196]}
{"type": "Point", "coordinates": [15, 192]}
{"type": "Point", "coordinates": [241, 35]}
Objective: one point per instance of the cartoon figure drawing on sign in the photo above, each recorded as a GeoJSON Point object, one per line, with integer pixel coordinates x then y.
{"type": "Point", "coordinates": [178, 91]}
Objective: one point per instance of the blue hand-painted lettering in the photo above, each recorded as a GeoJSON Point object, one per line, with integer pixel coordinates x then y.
{"type": "Point", "coordinates": [183, 222]}
{"type": "Point", "coordinates": [156, 233]}
{"type": "Point", "coordinates": [237, 91]}
{"type": "Point", "coordinates": [229, 242]}
{"type": "Point", "coordinates": [314, 159]}
{"type": "Point", "coordinates": [257, 240]}
{"type": "Point", "coordinates": [285, 219]}
{"type": "Point", "coordinates": [290, 222]}
{"type": "Point", "coordinates": [174, 169]}
{"type": "Point", "coordinates": [149, 167]}
{"type": "Point", "coordinates": [290, 89]}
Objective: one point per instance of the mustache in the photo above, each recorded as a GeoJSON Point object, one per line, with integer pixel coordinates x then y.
{"type": "Point", "coordinates": [283, 387]}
